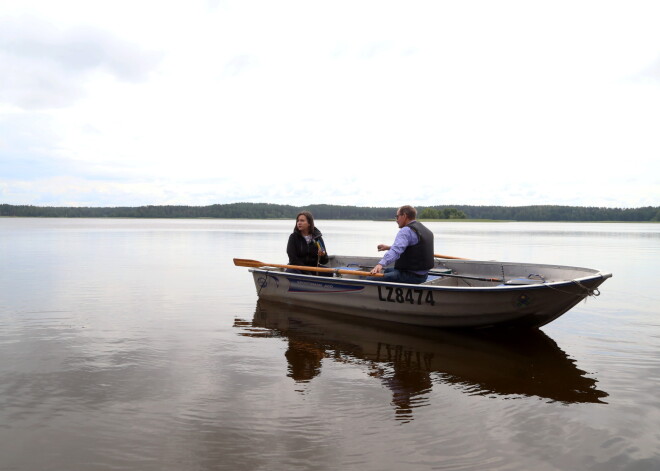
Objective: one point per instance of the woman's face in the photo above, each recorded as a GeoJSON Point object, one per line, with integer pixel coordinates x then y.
{"type": "Point", "coordinates": [303, 224]}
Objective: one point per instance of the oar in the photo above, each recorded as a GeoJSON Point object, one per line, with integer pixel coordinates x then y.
{"type": "Point", "coordinates": [464, 276]}
{"type": "Point", "coordinates": [242, 262]}
{"type": "Point", "coordinates": [437, 255]}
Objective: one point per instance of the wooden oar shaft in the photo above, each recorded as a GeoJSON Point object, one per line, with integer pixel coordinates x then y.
{"type": "Point", "coordinates": [437, 255]}
{"type": "Point", "coordinates": [242, 262]}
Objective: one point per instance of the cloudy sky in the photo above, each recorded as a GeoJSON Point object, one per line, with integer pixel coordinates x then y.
{"type": "Point", "coordinates": [370, 103]}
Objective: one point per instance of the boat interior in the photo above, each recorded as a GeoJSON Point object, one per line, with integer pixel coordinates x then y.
{"type": "Point", "coordinates": [474, 273]}
{"type": "Point", "coordinates": [439, 276]}
{"type": "Point", "coordinates": [463, 272]}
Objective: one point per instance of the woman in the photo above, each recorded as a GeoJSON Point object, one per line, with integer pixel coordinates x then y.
{"type": "Point", "coordinates": [306, 246]}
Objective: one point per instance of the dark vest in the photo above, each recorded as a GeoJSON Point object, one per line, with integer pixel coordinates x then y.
{"type": "Point", "coordinates": [417, 257]}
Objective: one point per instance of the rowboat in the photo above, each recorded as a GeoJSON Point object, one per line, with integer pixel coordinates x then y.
{"type": "Point", "coordinates": [459, 293]}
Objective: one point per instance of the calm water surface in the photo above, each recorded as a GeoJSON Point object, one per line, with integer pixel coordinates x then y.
{"type": "Point", "coordinates": [137, 344]}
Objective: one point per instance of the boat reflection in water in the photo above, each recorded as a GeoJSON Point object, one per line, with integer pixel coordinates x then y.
{"type": "Point", "coordinates": [409, 359]}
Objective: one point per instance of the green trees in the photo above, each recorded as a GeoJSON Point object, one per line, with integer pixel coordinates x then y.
{"type": "Point", "coordinates": [656, 218]}
{"type": "Point", "coordinates": [329, 211]}
{"type": "Point", "coordinates": [446, 213]}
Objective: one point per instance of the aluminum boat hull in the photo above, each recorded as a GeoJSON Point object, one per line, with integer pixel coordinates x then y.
{"type": "Point", "coordinates": [523, 295]}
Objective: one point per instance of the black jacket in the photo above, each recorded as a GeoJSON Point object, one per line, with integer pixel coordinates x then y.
{"type": "Point", "coordinates": [302, 253]}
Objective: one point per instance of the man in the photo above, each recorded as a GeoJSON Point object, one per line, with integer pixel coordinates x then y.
{"type": "Point", "coordinates": [412, 251]}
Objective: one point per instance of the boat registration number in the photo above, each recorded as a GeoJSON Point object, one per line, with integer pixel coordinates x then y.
{"type": "Point", "coordinates": [405, 295]}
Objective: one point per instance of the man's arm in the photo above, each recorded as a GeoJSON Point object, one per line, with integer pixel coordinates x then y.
{"type": "Point", "coordinates": [405, 237]}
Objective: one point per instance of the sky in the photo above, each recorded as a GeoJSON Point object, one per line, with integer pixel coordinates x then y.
{"type": "Point", "coordinates": [367, 103]}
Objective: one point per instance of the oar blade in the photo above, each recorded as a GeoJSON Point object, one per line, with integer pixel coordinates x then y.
{"type": "Point", "coordinates": [243, 262]}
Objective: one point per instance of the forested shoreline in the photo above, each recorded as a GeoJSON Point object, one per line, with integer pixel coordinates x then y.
{"type": "Point", "coordinates": [325, 211]}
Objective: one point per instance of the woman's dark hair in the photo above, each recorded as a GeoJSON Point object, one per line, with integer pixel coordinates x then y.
{"type": "Point", "coordinates": [310, 220]}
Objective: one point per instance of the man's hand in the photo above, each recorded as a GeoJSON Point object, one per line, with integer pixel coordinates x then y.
{"type": "Point", "coordinates": [382, 247]}
{"type": "Point", "coordinates": [377, 269]}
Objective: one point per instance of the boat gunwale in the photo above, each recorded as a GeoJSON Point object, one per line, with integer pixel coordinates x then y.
{"type": "Point", "coordinates": [500, 287]}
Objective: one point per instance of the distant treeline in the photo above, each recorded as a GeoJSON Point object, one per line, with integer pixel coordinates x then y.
{"type": "Point", "coordinates": [326, 211]}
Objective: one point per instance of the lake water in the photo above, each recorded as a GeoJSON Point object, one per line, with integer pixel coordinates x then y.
{"type": "Point", "coordinates": [138, 345]}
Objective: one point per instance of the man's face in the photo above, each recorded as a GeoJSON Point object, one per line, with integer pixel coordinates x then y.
{"type": "Point", "coordinates": [401, 219]}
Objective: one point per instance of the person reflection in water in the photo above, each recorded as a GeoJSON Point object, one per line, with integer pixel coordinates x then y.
{"type": "Point", "coordinates": [304, 360]}
{"type": "Point", "coordinates": [407, 377]}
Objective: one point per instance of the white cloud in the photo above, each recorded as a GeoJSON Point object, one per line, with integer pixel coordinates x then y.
{"type": "Point", "coordinates": [371, 103]}
{"type": "Point", "coordinates": [47, 66]}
